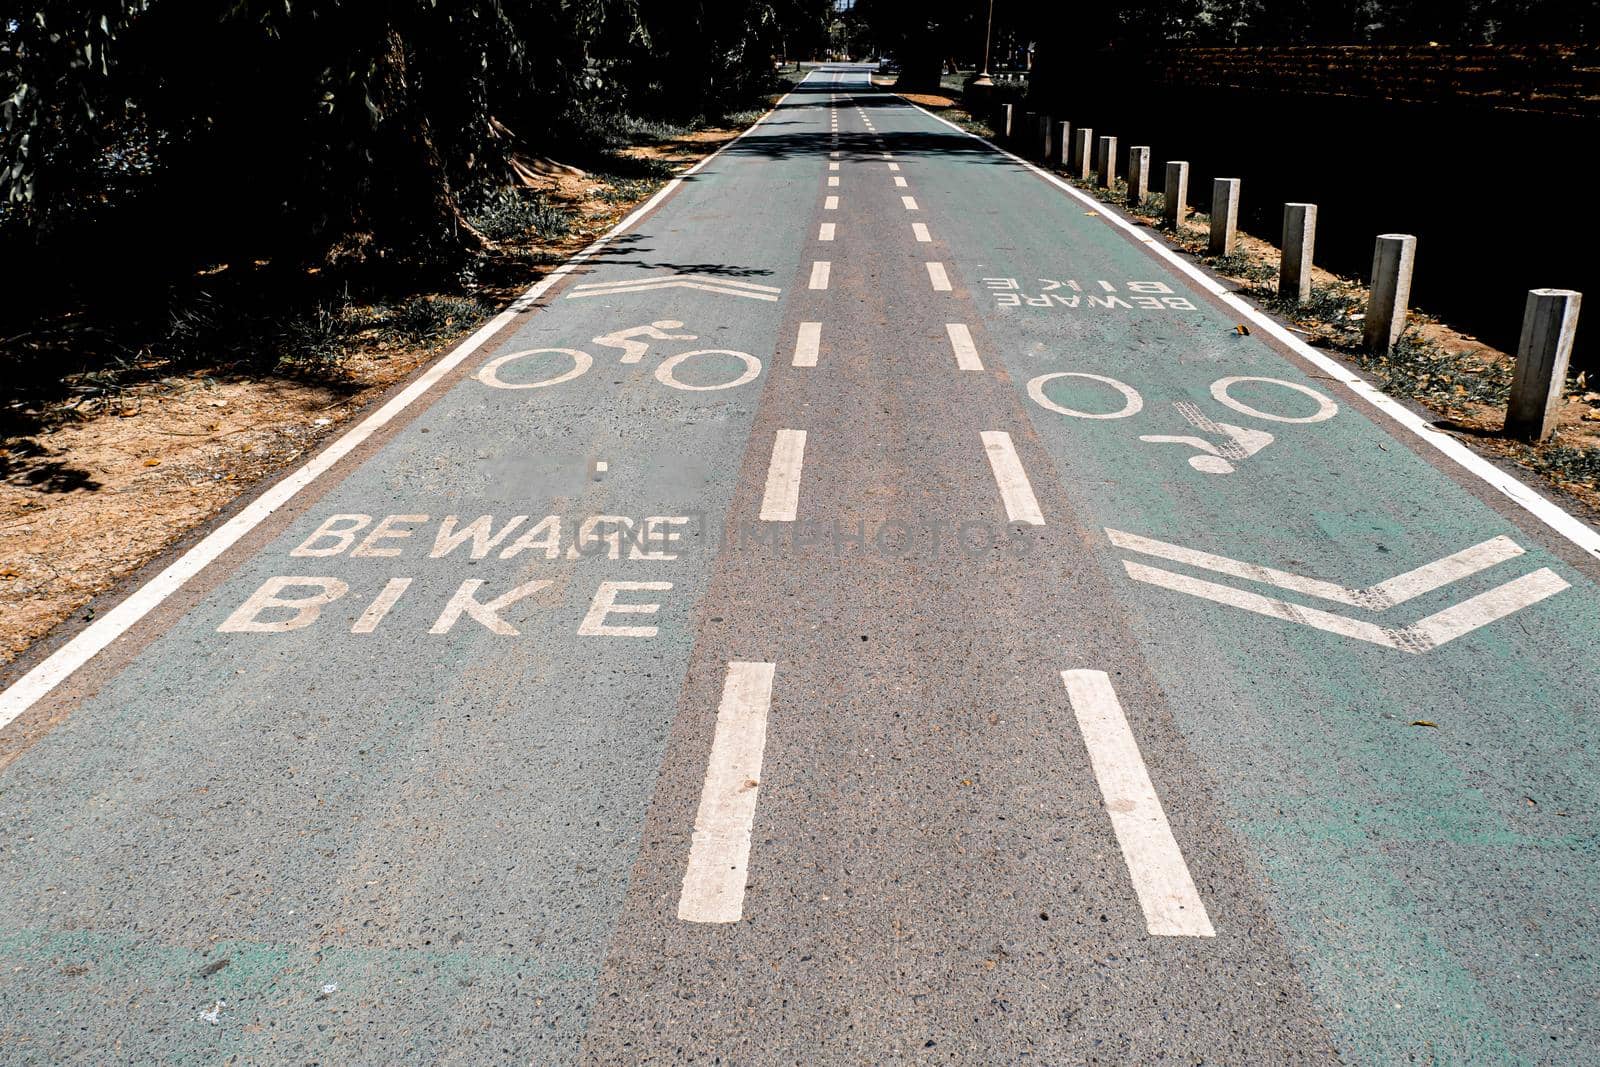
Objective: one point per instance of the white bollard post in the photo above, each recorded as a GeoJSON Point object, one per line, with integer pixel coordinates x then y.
{"type": "Point", "coordinates": [1548, 324]}
{"type": "Point", "coordinates": [1391, 290]}
{"type": "Point", "coordinates": [1047, 126]}
{"type": "Point", "coordinates": [1224, 216]}
{"type": "Point", "coordinates": [1062, 138]}
{"type": "Point", "coordinates": [1108, 162]}
{"type": "Point", "coordinates": [1177, 193]}
{"type": "Point", "coordinates": [1007, 117]}
{"type": "Point", "coordinates": [1082, 151]}
{"type": "Point", "coordinates": [1299, 239]}
{"type": "Point", "coordinates": [1138, 175]}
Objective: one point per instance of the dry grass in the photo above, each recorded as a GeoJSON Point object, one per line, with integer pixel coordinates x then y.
{"type": "Point", "coordinates": [100, 488]}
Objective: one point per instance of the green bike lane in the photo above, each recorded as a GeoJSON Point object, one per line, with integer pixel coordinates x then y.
{"type": "Point", "coordinates": [1416, 784]}
{"type": "Point", "coordinates": [375, 793]}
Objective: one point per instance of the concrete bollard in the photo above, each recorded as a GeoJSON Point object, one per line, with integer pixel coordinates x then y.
{"type": "Point", "coordinates": [1138, 175]}
{"type": "Point", "coordinates": [1299, 238]}
{"type": "Point", "coordinates": [1548, 323]}
{"type": "Point", "coordinates": [1108, 162]}
{"type": "Point", "coordinates": [1224, 216]}
{"type": "Point", "coordinates": [1177, 193]}
{"type": "Point", "coordinates": [1062, 138]}
{"type": "Point", "coordinates": [1030, 120]}
{"type": "Point", "coordinates": [1391, 290]}
{"type": "Point", "coordinates": [1007, 114]}
{"type": "Point", "coordinates": [1082, 152]}
{"type": "Point", "coordinates": [1047, 126]}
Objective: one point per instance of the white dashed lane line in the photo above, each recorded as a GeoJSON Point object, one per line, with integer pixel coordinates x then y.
{"type": "Point", "coordinates": [719, 854]}
{"type": "Point", "coordinates": [806, 344]}
{"type": "Point", "coordinates": [910, 202]}
{"type": "Point", "coordinates": [920, 229]}
{"type": "Point", "coordinates": [820, 270]}
{"type": "Point", "coordinates": [825, 232]}
{"type": "Point", "coordinates": [1161, 879]}
{"type": "Point", "coordinates": [937, 276]}
{"type": "Point", "coordinates": [1016, 492]}
{"type": "Point", "coordinates": [961, 342]}
{"type": "Point", "coordinates": [781, 500]}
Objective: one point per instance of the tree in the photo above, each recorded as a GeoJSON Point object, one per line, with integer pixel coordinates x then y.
{"type": "Point", "coordinates": [340, 126]}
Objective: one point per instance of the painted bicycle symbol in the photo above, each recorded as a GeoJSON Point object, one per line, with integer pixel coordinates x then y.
{"type": "Point", "coordinates": [633, 351]}
{"type": "Point", "coordinates": [1229, 444]}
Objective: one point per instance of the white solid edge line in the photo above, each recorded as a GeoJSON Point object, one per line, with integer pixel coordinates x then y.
{"type": "Point", "coordinates": [938, 278]}
{"type": "Point", "coordinates": [780, 501]}
{"type": "Point", "coordinates": [806, 344]}
{"type": "Point", "coordinates": [1539, 506]}
{"type": "Point", "coordinates": [961, 342]}
{"type": "Point", "coordinates": [719, 852]}
{"type": "Point", "coordinates": [64, 661]}
{"type": "Point", "coordinates": [1016, 492]}
{"type": "Point", "coordinates": [1167, 895]}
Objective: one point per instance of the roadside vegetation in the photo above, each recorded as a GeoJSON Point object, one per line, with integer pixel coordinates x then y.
{"type": "Point", "coordinates": [239, 227]}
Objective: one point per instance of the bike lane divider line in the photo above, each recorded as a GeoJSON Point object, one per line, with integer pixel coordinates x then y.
{"type": "Point", "coordinates": [939, 277]}
{"type": "Point", "coordinates": [919, 230]}
{"type": "Point", "coordinates": [830, 204]}
{"type": "Point", "coordinates": [713, 884]}
{"type": "Point", "coordinates": [833, 181]}
{"type": "Point", "coordinates": [900, 183]}
{"type": "Point", "coordinates": [825, 233]}
{"type": "Point", "coordinates": [894, 166]}
{"type": "Point", "coordinates": [820, 271]}
{"type": "Point", "coordinates": [909, 203]}
{"type": "Point", "coordinates": [780, 502]}
{"type": "Point", "coordinates": [961, 342]}
{"type": "Point", "coordinates": [1167, 894]}
{"type": "Point", "coordinates": [1016, 492]}
{"type": "Point", "coordinates": [807, 343]}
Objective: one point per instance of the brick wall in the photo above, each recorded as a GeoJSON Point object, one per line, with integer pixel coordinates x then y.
{"type": "Point", "coordinates": [1551, 79]}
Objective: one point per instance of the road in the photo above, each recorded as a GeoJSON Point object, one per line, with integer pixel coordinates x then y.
{"type": "Point", "coordinates": [874, 607]}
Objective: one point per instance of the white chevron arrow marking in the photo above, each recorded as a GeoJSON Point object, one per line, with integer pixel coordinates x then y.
{"type": "Point", "coordinates": [1421, 636]}
{"type": "Point", "coordinates": [1386, 594]}
{"type": "Point", "coordinates": [705, 283]}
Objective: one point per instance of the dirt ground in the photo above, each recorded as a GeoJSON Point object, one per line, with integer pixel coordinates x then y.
{"type": "Point", "coordinates": [98, 492]}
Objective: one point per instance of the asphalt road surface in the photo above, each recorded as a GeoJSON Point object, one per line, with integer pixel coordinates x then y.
{"type": "Point", "coordinates": [875, 607]}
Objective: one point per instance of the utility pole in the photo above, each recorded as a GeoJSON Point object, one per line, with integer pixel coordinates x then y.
{"type": "Point", "coordinates": [983, 80]}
